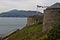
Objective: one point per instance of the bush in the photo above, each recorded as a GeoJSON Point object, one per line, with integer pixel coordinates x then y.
{"type": "Point", "coordinates": [54, 34]}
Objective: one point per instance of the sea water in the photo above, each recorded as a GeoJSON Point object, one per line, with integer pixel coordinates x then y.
{"type": "Point", "coordinates": [9, 23]}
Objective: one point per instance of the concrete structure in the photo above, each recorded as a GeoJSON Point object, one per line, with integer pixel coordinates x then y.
{"type": "Point", "coordinates": [34, 19]}
{"type": "Point", "coordinates": [51, 17]}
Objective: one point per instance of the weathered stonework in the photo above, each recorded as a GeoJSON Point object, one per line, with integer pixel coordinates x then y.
{"type": "Point", "coordinates": [51, 18]}
{"type": "Point", "coordinates": [34, 19]}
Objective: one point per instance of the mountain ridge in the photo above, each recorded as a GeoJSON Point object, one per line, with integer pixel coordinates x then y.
{"type": "Point", "coordinates": [18, 13]}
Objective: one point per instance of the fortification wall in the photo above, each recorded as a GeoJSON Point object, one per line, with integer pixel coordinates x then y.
{"type": "Point", "coordinates": [34, 19]}
{"type": "Point", "coordinates": [51, 18]}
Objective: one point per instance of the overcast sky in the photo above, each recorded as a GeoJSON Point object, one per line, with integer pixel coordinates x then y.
{"type": "Point", "coordinates": [6, 5]}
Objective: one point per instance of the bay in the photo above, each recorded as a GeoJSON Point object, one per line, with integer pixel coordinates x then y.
{"type": "Point", "coordinates": [9, 23]}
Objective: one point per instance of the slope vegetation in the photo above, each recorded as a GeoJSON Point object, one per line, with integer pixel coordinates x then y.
{"type": "Point", "coordinates": [53, 34]}
{"type": "Point", "coordinates": [28, 33]}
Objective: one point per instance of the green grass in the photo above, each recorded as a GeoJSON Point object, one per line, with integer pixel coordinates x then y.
{"type": "Point", "coordinates": [28, 33]}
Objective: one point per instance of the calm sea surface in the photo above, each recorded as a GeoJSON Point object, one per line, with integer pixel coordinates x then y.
{"type": "Point", "coordinates": [9, 23]}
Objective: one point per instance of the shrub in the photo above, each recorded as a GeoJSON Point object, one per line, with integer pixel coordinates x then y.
{"type": "Point", "coordinates": [54, 34]}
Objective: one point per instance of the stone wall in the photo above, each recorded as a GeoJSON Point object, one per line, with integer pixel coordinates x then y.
{"type": "Point", "coordinates": [34, 19]}
{"type": "Point", "coordinates": [51, 18]}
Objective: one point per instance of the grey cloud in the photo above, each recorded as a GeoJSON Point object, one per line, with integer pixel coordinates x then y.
{"type": "Point", "coordinates": [24, 4]}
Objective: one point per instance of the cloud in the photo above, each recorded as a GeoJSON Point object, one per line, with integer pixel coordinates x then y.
{"type": "Point", "coordinates": [16, 4]}
{"type": "Point", "coordinates": [24, 4]}
{"type": "Point", "coordinates": [48, 2]}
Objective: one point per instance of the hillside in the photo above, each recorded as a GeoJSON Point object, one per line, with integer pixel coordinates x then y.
{"type": "Point", "coordinates": [33, 33]}
{"type": "Point", "coordinates": [18, 13]}
{"type": "Point", "coordinates": [28, 33]}
{"type": "Point", "coordinates": [53, 34]}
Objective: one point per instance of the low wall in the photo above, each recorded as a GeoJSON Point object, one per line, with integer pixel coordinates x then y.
{"type": "Point", "coordinates": [7, 35]}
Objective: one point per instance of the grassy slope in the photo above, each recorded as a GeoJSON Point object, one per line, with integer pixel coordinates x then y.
{"type": "Point", "coordinates": [28, 33]}
{"type": "Point", "coordinates": [54, 34]}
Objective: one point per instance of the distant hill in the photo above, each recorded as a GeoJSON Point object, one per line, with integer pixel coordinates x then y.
{"type": "Point", "coordinates": [18, 13]}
